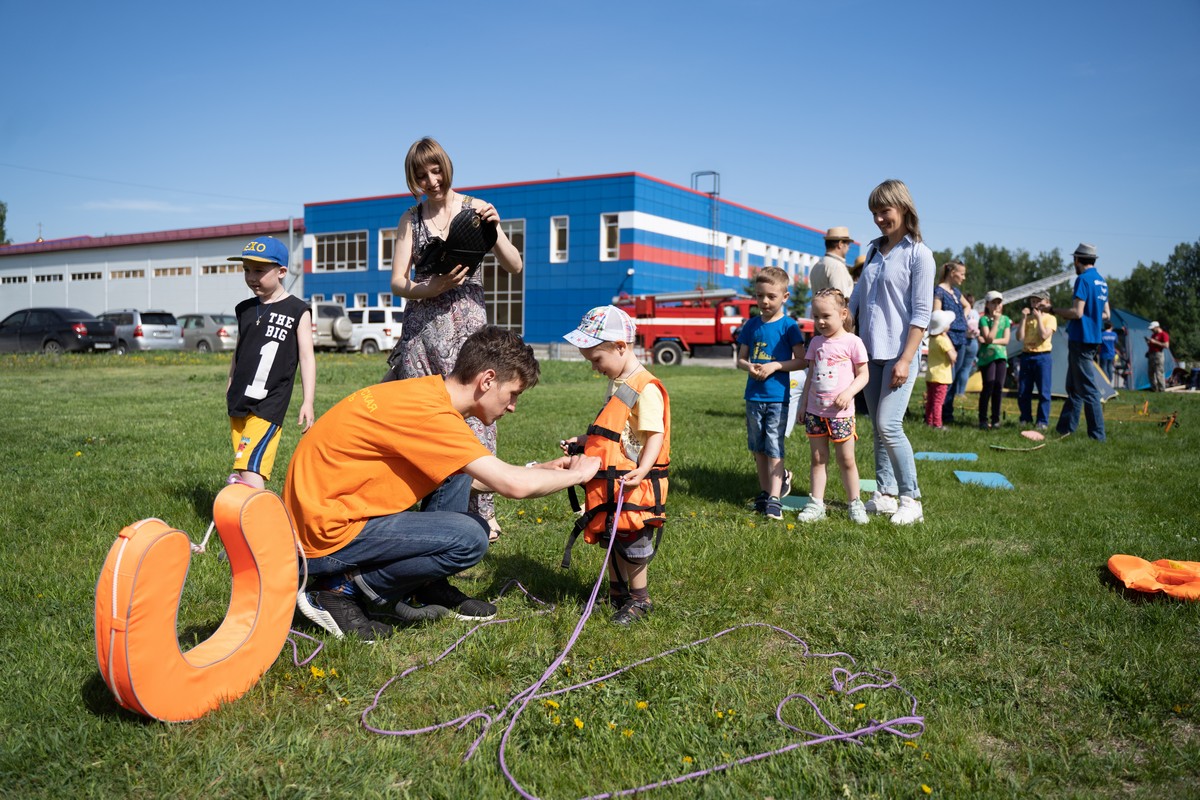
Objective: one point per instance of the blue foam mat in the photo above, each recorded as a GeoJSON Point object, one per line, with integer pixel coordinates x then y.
{"type": "Point", "coordinates": [945, 456]}
{"type": "Point", "coordinates": [992, 480]}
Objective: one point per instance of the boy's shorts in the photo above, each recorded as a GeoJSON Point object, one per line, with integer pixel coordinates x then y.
{"type": "Point", "coordinates": [765, 426]}
{"type": "Point", "coordinates": [254, 444]}
{"type": "Point", "coordinates": [838, 429]}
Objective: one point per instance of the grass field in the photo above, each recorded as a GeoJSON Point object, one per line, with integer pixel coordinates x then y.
{"type": "Point", "coordinates": [1036, 677]}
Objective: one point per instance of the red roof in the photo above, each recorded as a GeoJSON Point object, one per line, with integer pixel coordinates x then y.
{"type": "Point", "coordinates": [250, 229]}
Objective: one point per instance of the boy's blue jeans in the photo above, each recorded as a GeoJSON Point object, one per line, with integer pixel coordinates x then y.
{"type": "Point", "coordinates": [399, 553]}
{"type": "Point", "coordinates": [1036, 368]}
{"type": "Point", "coordinates": [765, 426]}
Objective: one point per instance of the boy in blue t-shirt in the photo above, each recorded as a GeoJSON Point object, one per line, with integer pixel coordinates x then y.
{"type": "Point", "coordinates": [769, 346]}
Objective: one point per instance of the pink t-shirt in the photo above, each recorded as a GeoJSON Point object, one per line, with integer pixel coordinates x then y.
{"type": "Point", "coordinates": [831, 370]}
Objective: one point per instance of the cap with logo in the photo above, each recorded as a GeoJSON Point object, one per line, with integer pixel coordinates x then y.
{"type": "Point", "coordinates": [603, 324]}
{"type": "Point", "coordinates": [264, 248]}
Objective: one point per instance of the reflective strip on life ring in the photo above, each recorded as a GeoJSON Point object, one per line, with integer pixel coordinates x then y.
{"type": "Point", "coordinates": [1179, 579]}
{"type": "Point", "coordinates": [137, 599]}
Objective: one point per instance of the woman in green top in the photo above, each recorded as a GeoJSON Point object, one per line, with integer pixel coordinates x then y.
{"type": "Point", "coordinates": [993, 357]}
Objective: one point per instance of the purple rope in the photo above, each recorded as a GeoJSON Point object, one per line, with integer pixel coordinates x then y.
{"type": "Point", "coordinates": [844, 681]}
{"type": "Point", "coordinates": [296, 650]}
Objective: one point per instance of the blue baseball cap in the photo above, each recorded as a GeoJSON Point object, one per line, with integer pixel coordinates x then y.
{"type": "Point", "coordinates": [264, 248]}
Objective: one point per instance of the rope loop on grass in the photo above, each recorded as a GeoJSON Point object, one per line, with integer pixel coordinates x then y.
{"type": "Point", "coordinates": [844, 681]}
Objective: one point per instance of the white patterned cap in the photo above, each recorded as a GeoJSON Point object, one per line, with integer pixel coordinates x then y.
{"type": "Point", "coordinates": [603, 324]}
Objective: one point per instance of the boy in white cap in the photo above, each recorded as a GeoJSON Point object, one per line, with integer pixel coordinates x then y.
{"type": "Point", "coordinates": [274, 338]}
{"type": "Point", "coordinates": [942, 357]}
{"type": "Point", "coordinates": [632, 438]}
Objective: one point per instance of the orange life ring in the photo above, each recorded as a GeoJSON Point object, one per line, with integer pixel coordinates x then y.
{"type": "Point", "coordinates": [137, 648]}
{"type": "Point", "coordinates": [1177, 578]}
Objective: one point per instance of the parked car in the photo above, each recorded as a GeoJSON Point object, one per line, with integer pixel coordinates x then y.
{"type": "Point", "coordinates": [55, 330]}
{"type": "Point", "coordinates": [375, 328]}
{"type": "Point", "coordinates": [331, 327]}
{"type": "Point", "coordinates": [145, 330]}
{"type": "Point", "coordinates": [206, 332]}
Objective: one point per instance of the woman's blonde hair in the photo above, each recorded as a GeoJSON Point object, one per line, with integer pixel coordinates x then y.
{"type": "Point", "coordinates": [424, 153]}
{"type": "Point", "coordinates": [949, 267]}
{"type": "Point", "coordinates": [894, 194]}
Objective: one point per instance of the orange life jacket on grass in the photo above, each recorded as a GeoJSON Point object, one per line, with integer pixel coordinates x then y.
{"type": "Point", "coordinates": [643, 505]}
{"type": "Point", "coordinates": [1179, 579]}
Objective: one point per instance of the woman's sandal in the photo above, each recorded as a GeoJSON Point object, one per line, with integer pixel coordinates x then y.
{"type": "Point", "coordinates": [493, 529]}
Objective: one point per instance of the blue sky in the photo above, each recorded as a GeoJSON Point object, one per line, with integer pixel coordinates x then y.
{"type": "Point", "coordinates": [1021, 124]}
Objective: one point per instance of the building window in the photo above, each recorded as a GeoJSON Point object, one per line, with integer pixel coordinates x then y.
{"type": "Point", "coordinates": [360, 300]}
{"type": "Point", "coordinates": [220, 269]}
{"type": "Point", "coordinates": [123, 274]}
{"type": "Point", "coordinates": [744, 272]}
{"type": "Point", "coordinates": [86, 276]}
{"type": "Point", "coordinates": [504, 293]}
{"type": "Point", "coordinates": [730, 250]}
{"type": "Point", "coordinates": [610, 237]}
{"type": "Point", "coordinates": [14, 279]}
{"type": "Point", "coordinates": [318, 298]}
{"type": "Point", "coordinates": [340, 299]}
{"type": "Point", "coordinates": [47, 278]}
{"type": "Point", "coordinates": [385, 299]}
{"type": "Point", "coordinates": [387, 245]}
{"type": "Point", "coordinates": [558, 239]}
{"type": "Point", "coordinates": [171, 272]}
{"type": "Point", "coordinates": [340, 252]}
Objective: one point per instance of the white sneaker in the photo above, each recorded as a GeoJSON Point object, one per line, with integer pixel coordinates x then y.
{"type": "Point", "coordinates": [881, 504]}
{"type": "Point", "coordinates": [858, 512]}
{"type": "Point", "coordinates": [908, 512]}
{"type": "Point", "coordinates": [814, 511]}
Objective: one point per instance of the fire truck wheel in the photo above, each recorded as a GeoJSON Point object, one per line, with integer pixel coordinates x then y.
{"type": "Point", "coordinates": [667, 353]}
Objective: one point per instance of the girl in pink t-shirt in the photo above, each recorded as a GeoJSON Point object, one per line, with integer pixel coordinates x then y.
{"type": "Point", "coordinates": [837, 370]}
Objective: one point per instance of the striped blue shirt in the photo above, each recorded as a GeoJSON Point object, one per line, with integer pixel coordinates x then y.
{"type": "Point", "coordinates": [894, 293]}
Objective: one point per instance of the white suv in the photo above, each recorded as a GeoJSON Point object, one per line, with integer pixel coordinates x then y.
{"type": "Point", "coordinates": [376, 328]}
{"type": "Point", "coordinates": [331, 328]}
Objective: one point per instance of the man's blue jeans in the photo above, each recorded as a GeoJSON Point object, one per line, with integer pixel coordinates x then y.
{"type": "Point", "coordinates": [895, 467]}
{"type": "Point", "coordinates": [1036, 370]}
{"type": "Point", "coordinates": [965, 365]}
{"type": "Point", "coordinates": [1083, 394]}
{"type": "Point", "coordinates": [396, 554]}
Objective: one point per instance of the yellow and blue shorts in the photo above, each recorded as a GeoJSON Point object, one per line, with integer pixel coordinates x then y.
{"type": "Point", "coordinates": [838, 429]}
{"type": "Point", "coordinates": [255, 441]}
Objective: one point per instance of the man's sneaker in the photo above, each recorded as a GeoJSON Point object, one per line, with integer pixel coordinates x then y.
{"type": "Point", "coordinates": [786, 488]}
{"type": "Point", "coordinates": [858, 512]}
{"type": "Point", "coordinates": [773, 508]}
{"type": "Point", "coordinates": [408, 614]}
{"type": "Point", "coordinates": [760, 503]}
{"type": "Point", "coordinates": [440, 593]}
{"type": "Point", "coordinates": [813, 512]}
{"type": "Point", "coordinates": [881, 503]}
{"type": "Point", "coordinates": [908, 512]}
{"type": "Point", "coordinates": [340, 616]}
{"type": "Point", "coordinates": [633, 611]}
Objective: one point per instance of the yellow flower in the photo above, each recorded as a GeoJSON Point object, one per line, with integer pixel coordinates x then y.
{"type": "Point", "coordinates": [78, 453]}
{"type": "Point", "coordinates": [720, 714]}
{"type": "Point", "coordinates": [578, 723]}
{"type": "Point", "coordinates": [911, 744]}
{"type": "Point", "coordinates": [539, 519]}
{"type": "Point", "coordinates": [317, 672]}
{"type": "Point", "coordinates": [926, 789]}
{"type": "Point", "coordinates": [627, 733]}
{"type": "Point", "coordinates": [556, 719]}
{"type": "Point", "coordinates": [693, 513]}
{"type": "Point", "coordinates": [550, 703]}
{"type": "Point", "coordinates": [687, 759]}
{"type": "Point", "coordinates": [752, 525]}
{"type": "Point", "coordinates": [859, 706]}
{"type": "Point", "coordinates": [333, 671]}
{"type": "Point", "coordinates": [521, 512]}
{"type": "Point", "coordinates": [791, 526]}
{"type": "Point", "coordinates": [642, 705]}
{"type": "Point", "coordinates": [612, 726]}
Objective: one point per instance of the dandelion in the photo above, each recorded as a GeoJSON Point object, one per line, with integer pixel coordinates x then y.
{"type": "Point", "coordinates": [521, 512]}
{"type": "Point", "coordinates": [859, 706]}
{"type": "Point", "coordinates": [78, 453]}
{"type": "Point", "coordinates": [316, 671]}
{"type": "Point", "coordinates": [720, 714]}
{"type": "Point", "coordinates": [556, 719]}
{"type": "Point", "coordinates": [926, 789]}
{"type": "Point", "coordinates": [752, 525]}
{"type": "Point", "coordinates": [579, 723]}
{"type": "Point", "coordinates": [913, 745]}
{"type": "Point", "coordinates": [550, 703]}
{"type": "Point", "coordinates": [791, 526]}
{"type": "Point", "coordinates": [693, 513]}
{"type": "Point", "coordinates": [642, 705]}
{"type": "Point", "coordinates": [539, 520]}
{"type": "Point", "coordinates": [730, 712]}
{"type": "Point", "coordinates": [627, 733]}
{"type": "Point", "coordinates": [333, 671]}
{"type": "Point", "coordinates": [612, 726]}
{"type": "Point", "coordinates": [687, 759]}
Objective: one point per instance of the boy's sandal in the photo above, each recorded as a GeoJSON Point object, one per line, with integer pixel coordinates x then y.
{"type": "Point", "coordinates": [633, 611]}
{"type": "Point", "coordinates": [493, 529]}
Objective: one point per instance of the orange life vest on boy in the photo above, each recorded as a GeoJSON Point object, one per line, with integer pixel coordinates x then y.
{"type": "Point", "coordinates": [643, 505]}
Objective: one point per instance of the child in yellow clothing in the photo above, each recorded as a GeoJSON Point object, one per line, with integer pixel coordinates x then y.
{"type": "Point", "coordinates": [942, 356]}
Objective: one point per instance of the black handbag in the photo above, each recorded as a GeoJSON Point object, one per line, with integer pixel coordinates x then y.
{"type": "Point", "coordinates": [467, 241]}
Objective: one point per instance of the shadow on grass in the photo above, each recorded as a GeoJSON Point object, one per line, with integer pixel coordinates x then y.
{"type": "Point", "coordinates": [731, 486]}
{"type": "Point", "coordinates": [1114, 584]}
{"type": "Point", "coordinates": [202, 497]}
{"type": "Point", "coordinates": [547, 582]}
{"type": "Point", "coordinates": [99, 701]}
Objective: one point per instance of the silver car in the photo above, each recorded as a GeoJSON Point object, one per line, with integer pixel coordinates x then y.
{"type": "Point", "coordinates": [206, 333]}
{"type": "Point", "coordinates": [144, 330]}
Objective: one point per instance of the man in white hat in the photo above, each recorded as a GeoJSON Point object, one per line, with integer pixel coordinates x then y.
{"type": "Point", "coordinates": [1086, 315]}
{"type": "Point", "coordinates": [1156, 343]}
{"type": "Point", "coordinates": [831, 271]}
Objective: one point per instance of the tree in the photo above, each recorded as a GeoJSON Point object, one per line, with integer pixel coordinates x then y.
{"type": "Point", "coordinates": [799, 297]}
{"type": "Point", "coordinates": [1167, 293]}
{"type": "Point", "coordinates": [3, 218]}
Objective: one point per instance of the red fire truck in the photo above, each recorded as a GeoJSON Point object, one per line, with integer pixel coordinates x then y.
{"type": "Point", "coordinates": [698, 322]}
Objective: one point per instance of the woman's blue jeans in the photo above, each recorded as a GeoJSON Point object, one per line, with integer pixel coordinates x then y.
{"type": "Point", "coordinates": [895, 467]}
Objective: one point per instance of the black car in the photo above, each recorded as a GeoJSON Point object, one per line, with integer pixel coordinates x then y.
{"type": "Point", "coordinates": [55, 330]}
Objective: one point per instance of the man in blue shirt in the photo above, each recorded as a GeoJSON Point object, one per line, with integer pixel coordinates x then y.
{"type": "Point", "coordinates": [1108, 350]}
{"type": "Point", "coordinates": [1087, 314]}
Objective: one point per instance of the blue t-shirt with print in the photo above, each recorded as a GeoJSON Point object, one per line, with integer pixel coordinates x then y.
{"type": "Point", "coordinates": [1092, 289]}
{"type": "Point", "coordinates": [1108, 344]}
{"type": "Point", "coordinates": [767, 342]}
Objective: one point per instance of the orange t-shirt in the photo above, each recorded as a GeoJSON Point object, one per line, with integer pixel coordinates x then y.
{"type": "Point", "coordinates": [377, 452]}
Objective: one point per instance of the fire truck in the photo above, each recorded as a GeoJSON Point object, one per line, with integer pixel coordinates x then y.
{"type": "Point", "coordinates": [699, 322]}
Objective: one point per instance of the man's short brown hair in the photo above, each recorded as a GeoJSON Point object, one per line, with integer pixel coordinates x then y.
{"type": "Point", "coordinates": [499, 349]}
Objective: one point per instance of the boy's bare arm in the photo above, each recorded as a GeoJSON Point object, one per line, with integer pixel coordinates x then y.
{"type": "Point", "coordinates": [308, 371]}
